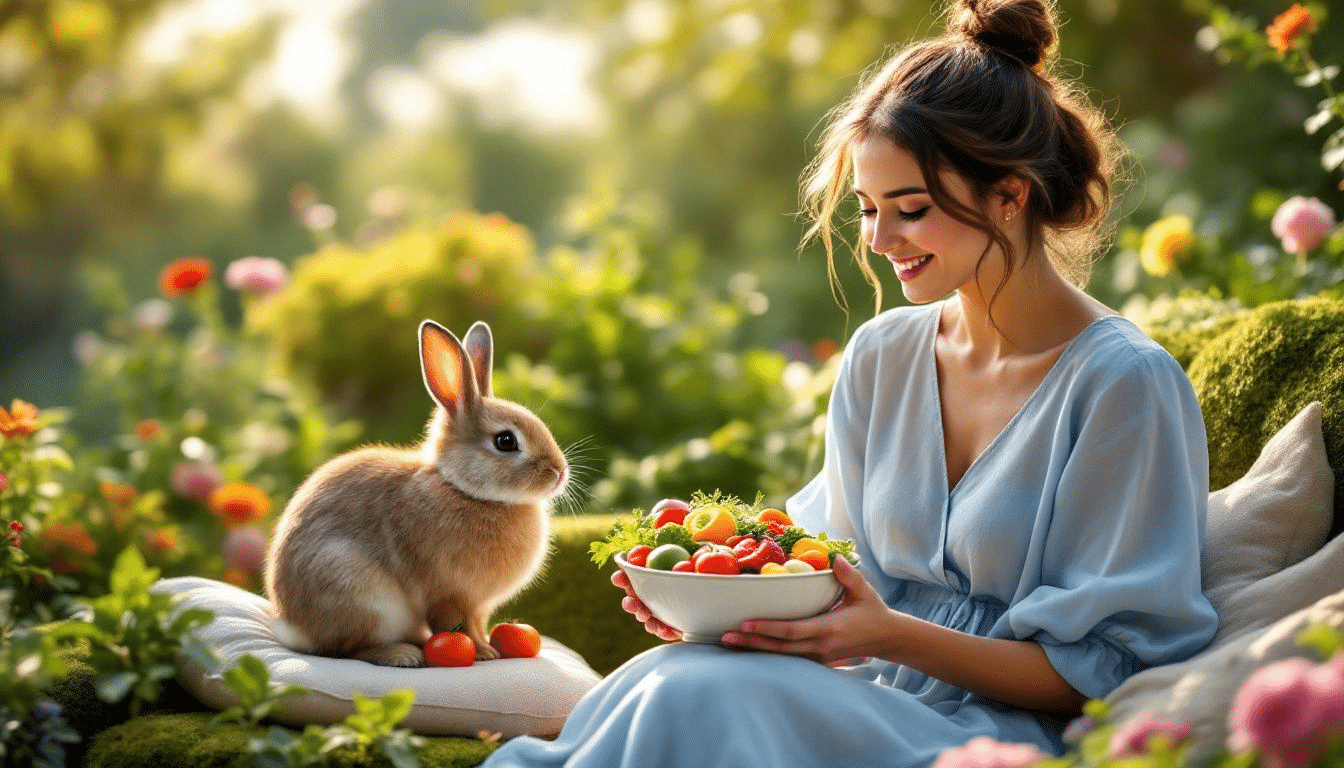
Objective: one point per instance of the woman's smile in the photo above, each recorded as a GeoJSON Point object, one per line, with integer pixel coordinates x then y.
{"type": "Point", "coordinates": [909, 269]}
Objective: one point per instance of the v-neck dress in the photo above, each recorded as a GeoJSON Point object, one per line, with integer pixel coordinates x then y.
{"type": "Point", "coordinates": [1079, 527]}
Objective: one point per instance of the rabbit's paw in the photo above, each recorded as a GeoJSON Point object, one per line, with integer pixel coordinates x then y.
{"type": "Point", "coordinates": [394, 655]}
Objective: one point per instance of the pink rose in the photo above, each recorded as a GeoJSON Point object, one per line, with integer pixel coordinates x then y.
{"type": "Point", "coordinates": [1287, 710]}
{"type": "Point", "coordinates": [1301, 223]}
{"type": "Point", "coordinates": [245, 548]}
{"type": "Point", "coordinates": [255, 274]}
{"type": "Point", "coordinates": [1131, 739]}
{"type": "Point", "coordinates": [984, 752]}
{"type": "Point", "coordinates": [195, 479]}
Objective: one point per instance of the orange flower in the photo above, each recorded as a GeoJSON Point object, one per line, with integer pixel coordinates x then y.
{"type": "Point", "coordinates": [20, 421]}
{"type": "Point", "coordinates": [162, 540]}
{"type": "Point", "coordinates": [58, 536]}
{"type": "Point", "coordinates": [1288, 25]}
{"type": "Point", "coordinates": [238, 577]}
{"type": "Point", "coordinates": [148, 429]}
{"type": "Point", "coordinates": [238, 503]}
{"type": "Point", "coordinates": [184, 276]}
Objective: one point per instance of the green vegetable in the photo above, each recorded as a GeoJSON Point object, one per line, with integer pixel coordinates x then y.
{"type": "Point", "coordinates": [674, 533]}
{"type": "Point", "coordinates": [628, 531]}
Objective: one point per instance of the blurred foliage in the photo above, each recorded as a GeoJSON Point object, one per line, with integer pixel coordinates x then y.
{"type": "Point", "coordinates": [623, 364]}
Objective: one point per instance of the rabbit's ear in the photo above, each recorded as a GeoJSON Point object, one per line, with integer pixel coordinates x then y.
{"type": "Point", "coordinates": [480, 346]}
{"type": "Point", "coordinates": [446, 368]}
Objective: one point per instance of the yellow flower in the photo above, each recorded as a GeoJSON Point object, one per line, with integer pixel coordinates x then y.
{"type": "Point", "coordinates": [1166, 242]}
{"type": "Point", "coordinates": [239, 503]}
{"type": "Point", "coordinates": [20, 421]}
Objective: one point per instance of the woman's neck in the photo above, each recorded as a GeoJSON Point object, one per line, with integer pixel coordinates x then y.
{"type": "Point", "coordinates": [1033, 311]}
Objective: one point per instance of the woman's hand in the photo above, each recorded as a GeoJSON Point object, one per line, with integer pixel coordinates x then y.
{"type": "Point", "coordinates": [632, 604]}
{"type": "Point", "coordinates": [860, 626]}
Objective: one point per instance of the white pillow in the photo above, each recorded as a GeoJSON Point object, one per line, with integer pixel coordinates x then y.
{"type": "Point", "coordinates": [510, 696]}
{"type": "Point", "coordinates": [1202, 689]}
{"type": "Point", "coordinates": [1277, 514]}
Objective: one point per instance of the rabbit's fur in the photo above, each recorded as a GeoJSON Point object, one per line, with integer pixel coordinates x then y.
{"type": "Point", "coordinates": [382, 547]}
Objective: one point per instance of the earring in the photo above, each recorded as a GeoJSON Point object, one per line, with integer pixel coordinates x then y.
{"type": "Point", "coordinates": [1007, 217]}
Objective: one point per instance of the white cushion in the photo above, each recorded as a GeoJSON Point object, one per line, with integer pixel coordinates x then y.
{"type": "Point", "coordinates": [510, 696]}
{"type": "Point", "coordinates": [1202, 689]}
{"type": "Point", "coordinates": [1267, 575]}
{"type": "Point", "coordinates": [1273, 517]}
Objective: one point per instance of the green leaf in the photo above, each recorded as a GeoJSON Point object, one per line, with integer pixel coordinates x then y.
{"type": "Point", "coordinates": [112, 687]}
{"type": "Point", "coordinates": [397, 705]}
{"type": "Point", "coordinates": [1326, 640]}
{"type": "Point", "coordinates": [131, 577]}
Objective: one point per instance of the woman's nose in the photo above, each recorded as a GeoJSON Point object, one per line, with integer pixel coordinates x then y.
{"type": "Point", "coordinates": [882, 235]}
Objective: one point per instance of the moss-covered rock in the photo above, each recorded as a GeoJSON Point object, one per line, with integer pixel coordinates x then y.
{"type": "Point", "coordinates": [575, 603]}
{"type": "Point", "coordinates": [1252, 378]}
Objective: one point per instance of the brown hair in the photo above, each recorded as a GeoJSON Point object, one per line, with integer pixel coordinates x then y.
{"type": "Point", "coordinates": [982, 101]}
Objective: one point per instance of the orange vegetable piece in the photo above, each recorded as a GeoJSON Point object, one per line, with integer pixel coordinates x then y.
{"type": "Point", "coordinates": [820, 561]}
{"type": "Point", "coordinates": [773, 515]}
{"type": "Point", "coordinates": [711, 524]}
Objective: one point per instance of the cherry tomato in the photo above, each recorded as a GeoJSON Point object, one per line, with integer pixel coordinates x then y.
{"type": "Point", "coordinates": [638, 555]}
{"type": "Point", "coordinates": [450, 649]}
{"type": "Point", "coordinates": [713, 524]}
{"type": "Point", "coordinates": [669, 511]}
{"type": "Point", "coordinates": [721, 563]}
{"type": "Point", "coordinates": [685, 566]}
{"type": "Point", "coordinates": [515, 640]}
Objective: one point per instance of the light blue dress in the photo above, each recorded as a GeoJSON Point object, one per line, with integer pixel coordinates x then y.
{"type": "Point", "coordinates": [1079, 527]}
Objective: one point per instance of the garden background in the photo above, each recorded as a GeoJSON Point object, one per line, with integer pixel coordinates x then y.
{"type": "Point", "coordinates": [222, 220]}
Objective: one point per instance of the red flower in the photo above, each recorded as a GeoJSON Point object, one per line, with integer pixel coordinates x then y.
{"type": "Point", "coordinates": [184, 276]}
{"type": "Point", "coordinates": [1287, 26]}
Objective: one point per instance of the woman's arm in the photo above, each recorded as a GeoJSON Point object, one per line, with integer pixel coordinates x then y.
{"type": "Point", "coordinates": [1015, 672]}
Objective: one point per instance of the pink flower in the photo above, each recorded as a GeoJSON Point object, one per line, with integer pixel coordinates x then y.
{"type": "Point", "coordinates": [258, 275]}
{"type": "Point", "coordinates": [984, 752]}
{"type": "Point", "coordinates": [1287, 710]}
{"type": "Point", "coordinates": [195, 479]}
{"type": "Point", "coordinates": [1131, 739]}
{"type": "Point", "coordinates": [1301, 223]}
{"type": "Point", "coordinates": [4, 482]}
{"type": "Point", "coordinates": [245, 548]}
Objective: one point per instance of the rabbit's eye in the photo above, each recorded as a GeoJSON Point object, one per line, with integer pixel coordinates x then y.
{"type": "Point", "coordinates": [506, 441]}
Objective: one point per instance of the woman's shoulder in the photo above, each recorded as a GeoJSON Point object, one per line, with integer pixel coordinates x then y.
{"type": "Point", "coordinates": [898, 328]}
{"type": "Point", "coordinates": [1112, 350]}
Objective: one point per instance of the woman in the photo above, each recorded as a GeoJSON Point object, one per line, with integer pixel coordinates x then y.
{"type": "Point", "coordinates": [1024, 473]}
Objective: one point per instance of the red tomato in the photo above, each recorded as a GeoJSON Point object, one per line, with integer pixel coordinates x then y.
{"type": "Point", "coordinates": [515, 640]}
{"type": "Point", "coordinates": [450, 649]}
{"type": "Point", "coordinates": [638, 555]}
{"type": "Point", "coordinates": [669, 511]}
{"type": "Point", "coordinates": [685, 566]}
{"type": "Point", "coordinates": [721, 563]}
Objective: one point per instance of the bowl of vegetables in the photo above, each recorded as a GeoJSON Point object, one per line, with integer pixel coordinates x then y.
{"type": "Point", "coordinates": [706, 565]}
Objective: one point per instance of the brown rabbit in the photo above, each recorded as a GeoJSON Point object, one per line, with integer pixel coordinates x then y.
{"type": "Point", "coordinates": [382, 547]}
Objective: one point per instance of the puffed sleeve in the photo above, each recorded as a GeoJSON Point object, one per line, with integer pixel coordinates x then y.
{"type": "Point", "coordinates": [826, 503]}
{"type": "Point", "coordinates": [1118, 587]}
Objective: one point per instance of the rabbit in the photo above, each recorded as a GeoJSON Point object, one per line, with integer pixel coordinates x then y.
{"type": "Point", "coordinates": [380, 548]}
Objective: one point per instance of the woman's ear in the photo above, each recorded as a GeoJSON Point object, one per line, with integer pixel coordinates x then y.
{"type": "Point", "coordinates": [1013, 193]}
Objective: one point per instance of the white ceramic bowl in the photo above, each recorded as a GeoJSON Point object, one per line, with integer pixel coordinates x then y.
{"type": "Point", "coordinates": [704, 606]}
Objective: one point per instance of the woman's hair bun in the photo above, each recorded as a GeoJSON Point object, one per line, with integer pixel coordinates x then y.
{"type": "Point", "coordinates": [1023, 29]}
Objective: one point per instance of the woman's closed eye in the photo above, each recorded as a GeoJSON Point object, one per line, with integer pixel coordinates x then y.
{"type": "Point", "coordinates": [916, 215]}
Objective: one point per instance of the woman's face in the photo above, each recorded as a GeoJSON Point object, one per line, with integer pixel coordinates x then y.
{"type": "Point", "coordinates": [932, 253]}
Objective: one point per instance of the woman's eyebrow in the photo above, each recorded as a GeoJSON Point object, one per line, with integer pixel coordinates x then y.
{"type": "Point", "coordinates": [895, 193]}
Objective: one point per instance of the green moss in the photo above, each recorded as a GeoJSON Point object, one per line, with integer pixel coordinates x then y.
{"type": "Point", "coordinates": [575, 602]}
{"type": "Point", "coordinates": [1252, 378]}
{"type": "Point", "coordinates": [184, 740]}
